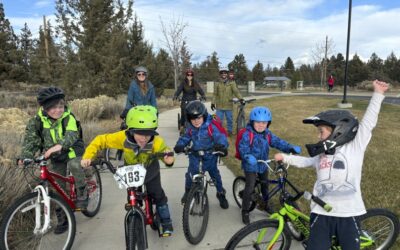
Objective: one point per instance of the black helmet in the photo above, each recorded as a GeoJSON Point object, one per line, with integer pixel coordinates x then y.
{"type": "Point", "coordinates": [196, 109]}
{"type": "Point", "coordinates": [344, 128]}
{"type": "Point", "coordinates": [48, 94]}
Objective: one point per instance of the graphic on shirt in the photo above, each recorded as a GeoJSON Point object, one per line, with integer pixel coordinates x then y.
{"type": "Point", "coordinates": [333, 176]}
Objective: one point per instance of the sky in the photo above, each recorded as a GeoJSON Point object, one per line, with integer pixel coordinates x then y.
{"type": "Point", "coordinates": [268, 31]}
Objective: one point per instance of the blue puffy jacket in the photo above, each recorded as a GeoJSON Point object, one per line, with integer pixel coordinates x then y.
{"type": "Point", "coordinates": [259, 148]}
{"type": "Point", "coordinates": [200, 137]}
{"type": "Point", "coordinates": [135, 96]}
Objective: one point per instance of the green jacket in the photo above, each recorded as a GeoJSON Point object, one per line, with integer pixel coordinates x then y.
{"type": "Point", "coordinates": [37, 138]}
{"type": "Point", "coordinates": [223, 93]}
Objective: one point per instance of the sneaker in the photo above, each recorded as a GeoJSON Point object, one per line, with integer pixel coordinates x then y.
{"type": "Point", "coordinates": [167, 229]}
{"type": "Point", "coordinates": [222, 200]}
{"type": "Point", "coordinates": [61, 227]}
{"type": "Point", "coordinates": [245, 217]}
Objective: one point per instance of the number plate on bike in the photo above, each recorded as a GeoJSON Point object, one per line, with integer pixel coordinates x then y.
{"type": "Point", "coordinates": [130, 176]}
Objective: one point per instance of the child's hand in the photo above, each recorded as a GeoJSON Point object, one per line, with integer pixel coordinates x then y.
{"type": "Point", "coordinates": [168, 159]}
{"type": "Point", "coordinates": [55, 148]}
{"type": "Point", "coordinates": [86, 163]}
{"type": "Point", "coordinates": [380, 87]}
{"type": "Point", "coordinates": [278, 157]}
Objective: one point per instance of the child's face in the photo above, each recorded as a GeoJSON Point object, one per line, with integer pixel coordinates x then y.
{"type": "Point", "coordinates": [197, 122]}
{"type": "Point", "coordinates": [56, 111]}
{"type": "Point", "coordinates": [260, 126]}
{"type": "Point", "coordinates": [324, 132]}
{"type": "Point", "coordinates": [141, 140]}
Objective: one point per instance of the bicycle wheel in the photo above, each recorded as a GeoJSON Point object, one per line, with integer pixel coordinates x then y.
{"type": "Point", "coordinates": [112, 154]}
{"type": "Point", "coordinates": [179, 121]}
{"type": "Point", "coordinates": [379, 229]}
{"type": "Point", "coordinates": [241, 121]}
{"type": "Point", "coordinates": [135, 234]}
{"type": "Point", "coordinates": [95, 193]}
{"type": "Point", "coordinates": [249, 237]}
{"type": "Point", "coordinates": [238, 187]}
{"type": "Point", "coordinates": [18, 224]}
{"type": "Point", "coordinates": [195, 215]}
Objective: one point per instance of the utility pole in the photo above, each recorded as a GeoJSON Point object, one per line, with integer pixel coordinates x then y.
{"type": "Point", "coordinates": [325, 60]}
{"type": "Point", "coordinates": [46, 44]}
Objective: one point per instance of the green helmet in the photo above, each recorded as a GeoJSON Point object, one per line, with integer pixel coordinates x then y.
{"type": "Point", "coordinates": [143, 117]}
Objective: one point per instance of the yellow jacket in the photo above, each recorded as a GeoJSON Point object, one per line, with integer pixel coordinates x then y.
{"type": "Point", "coordinates": [116, 141]}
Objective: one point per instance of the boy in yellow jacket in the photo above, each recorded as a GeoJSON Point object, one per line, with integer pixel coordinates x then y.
{"type": "Point", "coordinates": [138, 142]}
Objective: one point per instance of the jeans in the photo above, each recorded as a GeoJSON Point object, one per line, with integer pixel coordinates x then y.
{"type": "Point", "coordinates": [228, 113]}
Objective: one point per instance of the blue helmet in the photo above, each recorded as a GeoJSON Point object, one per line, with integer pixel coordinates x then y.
{"type": "Point", "coordinates": [260, 114]}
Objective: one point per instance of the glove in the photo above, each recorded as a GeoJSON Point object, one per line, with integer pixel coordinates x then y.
{"type": "Point", "coordinates": [223, 151]}
{"type": "Point", "coordinates": [212, 106]}
{"type": "Point", "coordinates": [242, 101]}
{"type": "Point", "coordinates": [250, 159]}
{"type": "Point", "coordinates": [295, 150]}
{"type": "Point", "coordinates": [179, 149]}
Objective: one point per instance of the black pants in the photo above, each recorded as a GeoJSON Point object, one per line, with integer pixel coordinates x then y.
{"type": "Point", "coordinates": [153, 184]}
{"type": "Point", "coordinates": [323, 228]}
{"type": "Point", "coordinates": [249, 188]}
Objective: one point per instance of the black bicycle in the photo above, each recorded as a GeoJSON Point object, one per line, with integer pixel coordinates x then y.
{"type": "Point", "coordinates": [241, 115]}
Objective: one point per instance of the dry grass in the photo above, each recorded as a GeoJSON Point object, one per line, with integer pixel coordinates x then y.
{"type": "Point", "coordinates": [381, 173]}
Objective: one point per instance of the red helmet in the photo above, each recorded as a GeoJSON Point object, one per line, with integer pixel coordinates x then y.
{"type": "Point", "coordinates": [189, 72]}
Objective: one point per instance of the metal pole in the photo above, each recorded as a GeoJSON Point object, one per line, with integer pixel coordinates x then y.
{"type": "Point", "coordinates": [347, 55]}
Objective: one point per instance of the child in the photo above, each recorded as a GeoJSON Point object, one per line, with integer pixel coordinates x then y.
{"type": "Point", "coordinates": [139, 138]}
{"type": "Point", "coordinates": [45, 132]}
{"type": "Point", "coordinates": [338, 159]}
{"type": "Point", "coordinates": [198, 133]}
{"type": "Point", "coordinates": [254, 145]}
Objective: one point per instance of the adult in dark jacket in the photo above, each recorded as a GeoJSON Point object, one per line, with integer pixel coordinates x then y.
{"type": "Point", "coordinates": [141, 91]}
{"type": "Point", "coordinates": [189, 89]}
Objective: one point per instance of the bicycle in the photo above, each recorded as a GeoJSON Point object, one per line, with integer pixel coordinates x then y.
{"type": "Point", "coordinates": [257, 200]}
{"type": "Point", "coordinates": [379, 227]}
{"type": "Point", "coordinates": [196, 208]}
{"type": "Point", "coordinates": [241, 115]}
{"type": "Point", "coordinates": [140, 208]}
{"type": "Point", "coordinates": [30, 222]}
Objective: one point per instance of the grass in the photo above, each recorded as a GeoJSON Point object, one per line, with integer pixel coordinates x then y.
{"type": "Point", "coordinates": [381, 173]}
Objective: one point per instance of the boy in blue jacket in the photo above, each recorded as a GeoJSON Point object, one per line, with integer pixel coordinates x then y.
{"type": "Point", "coordinates": [254, 145]}
{"type": "Point", "coordinates": [198, 133]}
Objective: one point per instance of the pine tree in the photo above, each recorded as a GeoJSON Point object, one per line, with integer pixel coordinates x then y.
{"type": "Point", "coordinates": [357, 71]}
{"type": "Point", "coordinates": [258, 73]}
{"type": "Point", "coordinates": [185, 59]}
{"type": "Point", "coordinates": [239, 66]}
{"type": "Point", "coordinates": [391, 67]}
{"type": "Point", "coordinates": [375, 67]}
{"type": "Point", "coordinates": [26, 47]}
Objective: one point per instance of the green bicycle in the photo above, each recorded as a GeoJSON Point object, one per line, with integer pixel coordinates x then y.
{"type": "Point", "coordinates": [379, 227]}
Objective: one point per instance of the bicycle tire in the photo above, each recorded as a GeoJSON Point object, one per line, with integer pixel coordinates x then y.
{"type": "Point", "coordinates": [153, 213]}
{"type": "Point", "coordinates": [246, 237]}
{"type": "Point", "coordinates": [238, 188]}
{"type": "Point", "coordinates": [196, 205]}
{"type": "Point", "coordinates": [179, 121]}
{"type": "Point", "coordinates": [15, 219]}
{"type": "Point", "coordinates": [135, 234]}
{"type": "Point", "coordinates": [240, 121]}
{"type": "Point", "coordinates": [112, 154]}
{"type": "Point", "coordinates": [95, 193]}
{"type": "Point", "coordinates": [379, 222]}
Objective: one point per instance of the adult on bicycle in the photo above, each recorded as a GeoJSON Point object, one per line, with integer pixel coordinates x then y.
{"type": "Point", "coordinates": [224, 90]}
{"type": "Point", "coordinates": [189, 89]}
{"type": "Point", "coordinates": [45, 132]}
{"type": "Point", "coordinates": [141, 91]}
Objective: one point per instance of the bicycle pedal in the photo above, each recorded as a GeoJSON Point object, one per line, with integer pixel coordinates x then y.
{"type": "Point", "coordinates": [165, 235]}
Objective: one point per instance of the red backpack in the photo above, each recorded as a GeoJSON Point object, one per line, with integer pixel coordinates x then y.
{"type": "Point", "coordinates": [251, 135]}
{"type": "Point", "coordinates": [218, 123]}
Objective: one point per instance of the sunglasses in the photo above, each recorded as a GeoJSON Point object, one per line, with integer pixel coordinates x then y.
{"type": "Point", "coordinates": [189, 75]}
{"type": "Point", "coordinates": [141, 74]}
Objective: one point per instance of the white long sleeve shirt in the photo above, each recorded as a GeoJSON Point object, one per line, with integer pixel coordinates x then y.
{"type": "Point", "coordinates": [339, 175]}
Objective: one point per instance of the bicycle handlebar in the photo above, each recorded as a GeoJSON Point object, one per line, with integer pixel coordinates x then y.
{"type": "Point", "coordinates": [189, 150]}
{"type": "Point", "coordinates": [244, 100]}
{"type": "Point", "coordinates": [279, 168]}
{"type": "Point", "coordinates": [323, 204]}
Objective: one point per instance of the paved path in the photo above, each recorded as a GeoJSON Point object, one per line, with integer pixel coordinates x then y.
{"type": "Point", "coordinates": [106, 230]}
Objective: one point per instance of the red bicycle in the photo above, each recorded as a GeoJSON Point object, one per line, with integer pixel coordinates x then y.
{"type": "Point", "coordinates": [30, 222]}
{"type": "Point", "coordinates": [140, 208]}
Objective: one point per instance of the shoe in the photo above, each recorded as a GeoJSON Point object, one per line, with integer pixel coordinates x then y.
{"type": "Point", "coordinates": [183, 199]}
{"type": "Point", "coordinates": [61, 227]}
{"type": "Point", "coordinates": [222, 200]}
{"type": "Point", "coordinates": [245, 217]}
{"type": "Point", "coordinates": [167, 229]}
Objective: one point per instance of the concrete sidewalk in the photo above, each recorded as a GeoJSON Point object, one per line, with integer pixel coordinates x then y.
{"type": "Point", "coordinates": [106, 230]}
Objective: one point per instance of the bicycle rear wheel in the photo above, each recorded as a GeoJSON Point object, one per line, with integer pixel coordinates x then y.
{"type": "Point", "coordinates": [95, 193]}
{"type": "Point", "coordinates": [179, 121]}
{"type": "Point", "coordinates": [249, 237]}
{"type": "Point", "coordinates": [135, 234]}
{"type": "Point", "coordinates": [195, 215]}
{"type": "Point", "coordinates": [241, 121]}
{"type": "Point", "coordinates": [238, 187]}
{"type": "Point", "coordinates": [18, 224]}
{"type": "Point", "coordinates": [379, 229]}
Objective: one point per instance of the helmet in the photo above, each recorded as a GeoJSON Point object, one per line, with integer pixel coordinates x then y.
{"type": "Point", "coordinates": [189, 71]}
{"type": "Point", "coordinates": [142, 119]}
{"type": "Point", "coordinates": [260, 114]}
{"type": "Point", "coordinates": [140, 69]}
{"type": "Point", "coordinates": [344, 128]}
{"type": "Point", "coordinates": [196, 109]}
{"type": "Point", "coordinates": [48, 94]}
{"type": "Point", "coordinates": [223, 69]}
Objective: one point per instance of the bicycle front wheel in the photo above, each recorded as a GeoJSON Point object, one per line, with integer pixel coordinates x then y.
{"type": "Point", "coordinates": [19, 222]}
{"type": "Point", "coordinates": [95, 193]}
{"type": "Point", "coordinates": [135, 234]}
{"type": "Point", "coordinates": [238, 188]}
{"type": "Point", "coordinates": [195, 215]}
{"type": "Point", "coordinates": [258, 235]}
{"type": "Point", "coordinates": [379, 229]}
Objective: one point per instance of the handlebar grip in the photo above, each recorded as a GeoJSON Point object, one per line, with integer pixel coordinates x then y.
{"type": "Point", "coordinates": [109, 166]}
{"type": "Point", "coordinates": [169, 154]}
{"type": "Point", "coordinates": [317, 200]}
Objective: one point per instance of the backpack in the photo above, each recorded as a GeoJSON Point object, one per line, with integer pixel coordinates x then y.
{"type": "Point", "coordinates": [218, 123]}
{"type": "Point", "coordinates": [251, 135]}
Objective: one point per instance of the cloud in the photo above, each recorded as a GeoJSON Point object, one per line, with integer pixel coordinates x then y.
{"type": "Point", "coordinates": [43, 3]}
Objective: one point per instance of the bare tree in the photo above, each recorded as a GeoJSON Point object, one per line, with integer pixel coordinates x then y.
{"type": "Point", "coordinates": [320, 55]}
{"type": "Point", "coordinates": [174, 40]}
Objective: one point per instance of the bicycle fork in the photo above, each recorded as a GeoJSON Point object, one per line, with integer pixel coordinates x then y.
{"type": "Point", "coordinates": [136, 214]}
{"type": "Point", "coordinates": [42, 197]}
{"type": "Point", "coordinates": [263, 232]}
